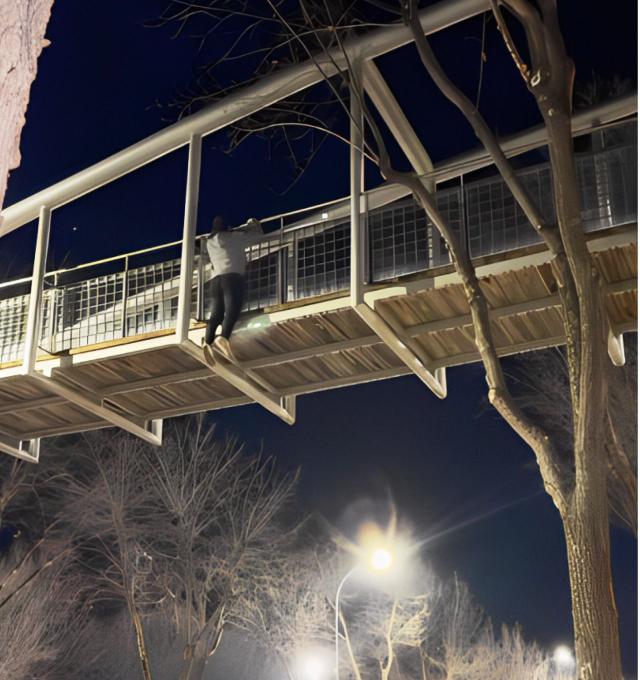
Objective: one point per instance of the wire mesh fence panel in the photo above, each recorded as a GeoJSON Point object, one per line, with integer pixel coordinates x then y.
{"type": "Point", "coordinates": [608, 187]}
{"type": "Point", "coordinates": [261, 283]}
{"type": "Point", "coordinates": [495, 221]}
{"type": "Point", "coordinates": [403, 240]}
{"type": "Point", "coordinates": [152, 297]}
{"type": "Point", "coordinates": [88, 312]}
{"type": "Point", "coordinates": [620, 135]}
{"type": "Point", "coordinates": [321, 260]}
{"type": "Point", "coordinates": [13, 327]}
{"type": "Point", "coordinates": [608, 192]}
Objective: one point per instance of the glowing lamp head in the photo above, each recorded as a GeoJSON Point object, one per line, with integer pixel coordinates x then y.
{"type": "Point", "coordinates": [313, 666]}
{"type": "Point", "coordinates": [563, 657]}
{"type": "Point", "coordinates": [381, 559]}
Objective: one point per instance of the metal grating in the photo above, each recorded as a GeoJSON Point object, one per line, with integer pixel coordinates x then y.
{"type": "Point", "coordinates": [13, 323]}
{"type": "Point", "coordinates": [152, 297]}
{"type": "Point", "coordinates": [404, 241]}
{"type": "Point", "coordinates": [321, 259]}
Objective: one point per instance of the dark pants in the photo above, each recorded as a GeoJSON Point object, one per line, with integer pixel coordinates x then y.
{"type": "Point", "coordinates": [228, 294]}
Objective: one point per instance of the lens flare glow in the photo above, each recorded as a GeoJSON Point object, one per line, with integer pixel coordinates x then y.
{"type": "Point", "coordinates": [563, 657]}
{"type": "Point", "coordinates": [314, 664]}
{"type": "Point", "coordinates": [381, 559]}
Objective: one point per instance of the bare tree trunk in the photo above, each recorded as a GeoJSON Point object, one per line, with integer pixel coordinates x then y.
{"type": "Point", "coordinates": [595, 618]}
{"type": "Point", "coordinates": [207, 643]}
{"type": "Point", "coordinates": [352, 657]}
{"type": "Point", "coordinates": [143, 656]}
{"type": "Point", "coordinates": [387, 664]}
{"type": "Point", "coordinates": [580, 496]}
{"type": "Point", "coordinates": [22, 27]}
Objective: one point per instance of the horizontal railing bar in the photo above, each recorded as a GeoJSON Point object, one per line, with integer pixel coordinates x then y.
{"type": "Point", "coordinates": [148, 301]}
{"type": "Point", "coordinates": [616, 107]}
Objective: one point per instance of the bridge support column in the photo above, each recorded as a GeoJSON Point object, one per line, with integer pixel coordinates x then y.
{"type": "Point", "coordinates": [188, 238]}
{"type": "Point", "coordinates": [356, 181]}
{"type": "Point", "coordinates": [34, 313]}
{"type": "Point", "coordinates": [615, 347]}
{"type": "Point", "coordinates": [364, 304]}
{"type": "Point", "coordinates": [28, 450]}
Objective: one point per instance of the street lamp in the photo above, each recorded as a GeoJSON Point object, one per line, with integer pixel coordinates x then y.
{"type": "Point", "coordinates": [313, 664]}
{"type": "Point", "coordinates": [563, 659]}
{"type": "Point", "coordinates": [378, 561]}
{"type": "Point", "coordinates": [381, 559]}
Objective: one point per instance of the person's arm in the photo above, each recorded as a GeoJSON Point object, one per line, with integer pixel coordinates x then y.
{"type": "Point", "coordinates": [251, 230]}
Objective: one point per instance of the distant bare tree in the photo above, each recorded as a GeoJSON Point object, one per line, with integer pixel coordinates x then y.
{"type": "Point", "coordinates": [220, 508]}
{"type": "Point", "coordinates": [30, 519]}
{"type": "Point", "coordinates": [38, 626]}
{"type": "Point", "coordinates": [286, 608]}
{"type": "Point", "coordinates": [109, 504]}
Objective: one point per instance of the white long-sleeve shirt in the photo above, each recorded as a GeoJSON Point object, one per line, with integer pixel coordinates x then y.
{"type": "Point", "coordinates": [226, 249]}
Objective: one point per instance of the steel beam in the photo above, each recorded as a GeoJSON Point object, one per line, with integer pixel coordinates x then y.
{"type": "Point", "coordinates": [245, 383]}
{"type": "Point", "coordinates": [55, 382]}
{"type": "Point", "coordinates": [27, 450]}
{"type": "Point", "coordinates": [34, 313]}
{"type": "Point", "coordinates": [395, 119]}
{"type": "Point", "coordinates": [189, 238]}
{"type": "Point", "coordinates": [246, 101]}
{"type": "Point", "coordinates": [404, 349]}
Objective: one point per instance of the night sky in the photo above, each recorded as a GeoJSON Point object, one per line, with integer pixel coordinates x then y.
{"type": "Point", "coordinates": [452, 466]}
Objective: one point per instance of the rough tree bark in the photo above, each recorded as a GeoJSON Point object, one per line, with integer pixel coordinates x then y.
{"type": "Point", "coordinates": [22, 27]}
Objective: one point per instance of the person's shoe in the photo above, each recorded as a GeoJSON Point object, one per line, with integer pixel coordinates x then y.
{"type": "Point", "coordinates": [208, 353]}
{"type": "Point", "coordinates": [224, 347]}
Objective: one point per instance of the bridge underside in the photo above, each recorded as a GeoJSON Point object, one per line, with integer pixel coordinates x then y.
{"type": "Point", "coordinates": [322, 343]}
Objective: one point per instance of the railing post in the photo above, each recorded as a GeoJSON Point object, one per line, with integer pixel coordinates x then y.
{"type": "Point", "coordinates": [356, 184]}
{"type": "Point", "coordinates": [367, 265]}
{"type": "Point", "coordinates": [125, 296]}
{"type": "Point", "coordinates": [188, 238]}
{"type": "Point", "coordinates": [34, 312]}
{"type": "Point", "coordinates": [465, 237]}
{"type": "Point", "coordinates": [200, 282]}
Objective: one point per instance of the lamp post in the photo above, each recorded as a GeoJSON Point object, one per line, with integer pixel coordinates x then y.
{"type": "Point", "coordinates": [380, 560]}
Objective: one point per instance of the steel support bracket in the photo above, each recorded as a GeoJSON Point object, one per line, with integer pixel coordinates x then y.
{"type": "Point", "coordinates": [404, 348]}
{"type": "Point", "coordinates": [26, 449]}
{"type": "Point", "coordinates": [615, 347]}
{"type": "Point", "coordinates": [149, 431]}
{"type": "Point", "coordinates": [249, 384]}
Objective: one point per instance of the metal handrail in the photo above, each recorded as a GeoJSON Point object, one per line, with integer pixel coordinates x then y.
{"type": "Point", "coordinates": [471, 163]}
{"type": "Point", "coordinates": [312, 260]}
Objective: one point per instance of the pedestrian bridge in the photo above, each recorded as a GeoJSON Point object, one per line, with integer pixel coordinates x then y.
{"type": "Point", "coordinates": [109, 353]}
{"type": "Point", "coordinates": [355, 290]}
